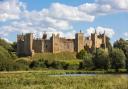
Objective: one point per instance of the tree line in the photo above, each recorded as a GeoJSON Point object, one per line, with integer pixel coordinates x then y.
{"type": "Point", "coordinates": [114, 57]}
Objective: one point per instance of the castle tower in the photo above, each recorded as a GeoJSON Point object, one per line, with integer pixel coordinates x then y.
{"type": "Point", "coordinates": [44, 36]}
{"type": "Point", "coordinates": [79, 41]}
{"type": "Point", "coordinates": [55, 43]}
{"type": "Point", "coordinates": [20, 45]}
{"type": "Point", "coordinates": [94, 39]}
{"type": "Point", "coordinates": [28, 44]}
{"type": "Point", "coordinates": [104, 40]}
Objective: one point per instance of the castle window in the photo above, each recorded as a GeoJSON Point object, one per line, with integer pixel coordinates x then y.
{"type": "Point", "coordinates": [46, 46]}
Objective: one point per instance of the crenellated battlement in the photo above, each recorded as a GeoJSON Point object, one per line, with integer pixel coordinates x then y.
{"type": "Point", "coordinates": [28, 45]}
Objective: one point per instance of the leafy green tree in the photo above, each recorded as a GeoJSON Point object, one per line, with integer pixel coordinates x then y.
{"type": "Point", "coordinates": [117, 58]}
{"type": "Point", "coordinates": [5, 44]}
{"type": "Point", "coordinates": [87, 62]}
{"type": "Point", "coordinates": [101, 59]}
{"type": "Point", "coordinates": [14, 47]}
{"type": "Point", "coordinates": [5, 60]}
{"type": "Point", "coordinates": [82, 55]}
{"type": "Point", "coordinates": [122, 44]}
{"type": "Point", "coordinates": [108, 44]}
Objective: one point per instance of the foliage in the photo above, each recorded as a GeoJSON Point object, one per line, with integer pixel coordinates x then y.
{"type": "Point", "coordinates": [108, 44]}
{"type": "Point", "coordinates": [87, 62]}
{"type": "Point", "coordinates": [14, 47]}
{"type": "Point", "coordinates": [21, 64]}
{"type": "Point", "coordinates": [5, 60]}
{"type": "Point", "coordinates": [122, 44]}
{"type": "Point", "coordinates": [5, 44]}
{"type": "Point", "coordinates": [83, 55]}
{"type": "Point", "coordinates": [101, 59]}
{"type": "Point", "coordinates": [117, 58]}
{"type": "Point", "coordinates": [54, 64]}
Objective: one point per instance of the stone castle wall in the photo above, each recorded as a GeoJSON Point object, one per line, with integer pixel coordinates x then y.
{"type": "Point", "coordinates": [27, 45]}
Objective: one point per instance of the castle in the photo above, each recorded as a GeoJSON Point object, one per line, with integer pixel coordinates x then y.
{"type": "Point", "coordinates": [28, 45]}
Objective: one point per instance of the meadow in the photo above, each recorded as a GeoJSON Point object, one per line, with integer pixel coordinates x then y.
{"type": "Point", "coordinates": [43, 80]}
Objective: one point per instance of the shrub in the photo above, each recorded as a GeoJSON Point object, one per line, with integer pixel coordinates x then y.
{"type": "Point", "coordinates": [38, 64]}
{"type": "Point", "coordinates": [21, 64]}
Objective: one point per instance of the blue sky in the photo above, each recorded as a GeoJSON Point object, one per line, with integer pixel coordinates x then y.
{"type": "Point", "coordinates": [63, 16]}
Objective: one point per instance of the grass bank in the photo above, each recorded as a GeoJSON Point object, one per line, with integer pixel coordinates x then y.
{"type": "Point", "coordinates": [41, 80]}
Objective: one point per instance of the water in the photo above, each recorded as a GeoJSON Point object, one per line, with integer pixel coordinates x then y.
{"type": "Point", "coordinates": [89, 75]}
{"type": "Point", "coordinates": [74, 75]}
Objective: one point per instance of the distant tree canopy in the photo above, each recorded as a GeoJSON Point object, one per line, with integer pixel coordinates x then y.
{"type": "Point", "coordinates": [101, 59]}
{"type": "Point", "coordinates": [84, 55]}
{"type": "Point", "coordinates": [87, 59]}
{"type": "Point", "coordinates": [122, 44]}
{"type": "Point", "coordinates": [117, 58]}
{"type": "Point", "coordinates": [108, 44]}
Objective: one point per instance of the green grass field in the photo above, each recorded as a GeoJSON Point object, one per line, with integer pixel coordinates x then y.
{"type": "Point", "coordinates": [42, 80]}
{"type": "Point", "coordinates": [57, 56]}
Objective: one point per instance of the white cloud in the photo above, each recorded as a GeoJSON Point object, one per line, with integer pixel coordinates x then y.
{"type": "Point", "coordinates": [126, 34]}
{"type": "Point", "coordinates": [7, 40]}
{"type": "Point", "coordinates": [108, 31]}
{"type": "Point", "coordinates": [115, 4]}
{"type": "Point", "coordinates": [57, 18]}
{"type": "Point", "coordinates": [10, 9]}
{"type": "Point", "coordinates": [62, 11]}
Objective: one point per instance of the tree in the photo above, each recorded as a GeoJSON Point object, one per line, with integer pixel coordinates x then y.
{"type": "Point", "coordinates": [5, 60]}
{"type": "Point", "coordinates": [5, 44]}
{"type": "Point", "coordinates": [123, 44]}
{"type": "Point", "coordinates": [108, 44]}
{"type": "Point", "coordinates": [87, 62]}
{"type": "Point", "coordinates": [117, 58]}
{"type": "Point", "coordinates": [82, 55]}
{"type": "Point", "coordinates": [14, 47]}
{"type": "Point", "coordinates": [101, 59]}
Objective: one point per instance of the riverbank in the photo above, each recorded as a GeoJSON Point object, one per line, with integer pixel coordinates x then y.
{"type": "Point", "coordinates": [42, 80]}
{"type": "Point", "coordinates": [52, 71]}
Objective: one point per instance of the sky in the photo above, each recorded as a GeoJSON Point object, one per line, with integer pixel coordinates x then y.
{"type": "Point", "coordinates": [65, 17]}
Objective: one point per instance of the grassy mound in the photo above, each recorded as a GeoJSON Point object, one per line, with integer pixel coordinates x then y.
{"type": "Point", "coordinates": [57, 56]}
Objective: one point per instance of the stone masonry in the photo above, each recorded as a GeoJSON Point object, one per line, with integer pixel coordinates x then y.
{"type": "Point", "coordinates": [28, 45]}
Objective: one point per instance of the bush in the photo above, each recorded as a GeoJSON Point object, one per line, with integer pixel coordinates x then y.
{"type": "Point", "coordinates": [21, 64]}
{"type": "Point", "coordinates": [38, 64]}
{"type": "Point", "coordinates": [81, 55]}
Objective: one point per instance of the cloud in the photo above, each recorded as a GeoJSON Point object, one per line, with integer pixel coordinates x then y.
{"type": "Point", "coordinates": [56, 18]}
{"type": "Point", "coordinates": [115, 4]}
{"type": "Point", "coordinates": [108, 31]}
{"type": "Point", "coordinates": [70, 13]}
{"type": "Point", "coordinates": [7, 40]}
{"type": "Point", "coordinates": [126, 34]}
{"type": "Point", "coordinates": [10, 9]}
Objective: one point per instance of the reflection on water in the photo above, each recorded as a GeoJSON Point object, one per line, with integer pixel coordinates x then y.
{"type": "Point", "coordinates": [73, 75]}
{"type": "Point", "coordinates": [90, 75]}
